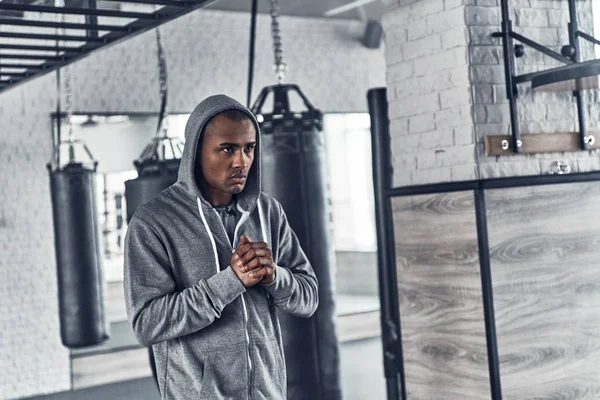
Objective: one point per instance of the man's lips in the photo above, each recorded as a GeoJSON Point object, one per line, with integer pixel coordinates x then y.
{"type": "Point", "coordinates": [238, 178]}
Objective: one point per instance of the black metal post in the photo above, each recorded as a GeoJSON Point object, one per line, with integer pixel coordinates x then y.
{"type": "Point", "coordinates": [92, 19]}
{"type": "Point", "coordinates": [488, 297]}
{"type": "Point", "coordinates": [574, 42]}
{"type": "Point", "coordinates": [391, 335]}
{"type": "Point", "coordinates": [509, 72]}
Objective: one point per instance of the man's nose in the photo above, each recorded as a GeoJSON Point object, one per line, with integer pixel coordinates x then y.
{"type": "Point", "coordinates": [240, 160]}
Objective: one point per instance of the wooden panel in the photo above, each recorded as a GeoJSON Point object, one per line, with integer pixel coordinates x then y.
{"type": "Point", "coordinates": [538, 143]}
{"type": "Point", "coordinates": [111, 367]}
{"type": "Point", "coordinates": [443, 330]}
{"type": "Point", "coordinates": [545, 252]}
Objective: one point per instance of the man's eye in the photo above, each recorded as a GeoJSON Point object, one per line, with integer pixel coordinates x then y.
{"type": "Point", "coordinates": [227, 150]}
{"type": "Point", "coordinates": [250, 148]}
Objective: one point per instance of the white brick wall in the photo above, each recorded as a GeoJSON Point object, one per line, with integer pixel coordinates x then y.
{"type": "Point", "coordinates": [428, 92]}
{"type": "Point", "coordinates": [546, 23]}
{"type": "Point", "coordinates": [445, 49]}
{"type": "Point", "coordinates": [206, 53]}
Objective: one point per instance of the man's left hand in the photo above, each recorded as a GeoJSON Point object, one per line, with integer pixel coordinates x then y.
{"type": "Point", "coordinates": [256, 259]}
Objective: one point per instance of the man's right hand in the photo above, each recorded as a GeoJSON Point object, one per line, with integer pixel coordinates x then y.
{"type": "Point", "coordinates": [245, 277]}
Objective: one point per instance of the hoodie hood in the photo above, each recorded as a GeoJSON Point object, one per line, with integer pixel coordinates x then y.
{"type": "Point", "coordinates": [194, 128]}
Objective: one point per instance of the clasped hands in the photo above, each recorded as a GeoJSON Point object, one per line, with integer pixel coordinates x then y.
{"type": "Point", "coordinates": [253, 262]}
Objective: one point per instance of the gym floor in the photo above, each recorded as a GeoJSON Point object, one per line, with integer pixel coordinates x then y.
{"type": "Point", "coordinates": [361, 377]}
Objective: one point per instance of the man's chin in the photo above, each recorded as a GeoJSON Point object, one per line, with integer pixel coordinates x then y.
{"type": "Point", "coordinates": [237, 189]}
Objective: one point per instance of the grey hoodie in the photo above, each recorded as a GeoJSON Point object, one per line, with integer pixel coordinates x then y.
{"type": "Point", "coordinates": [212, 338]}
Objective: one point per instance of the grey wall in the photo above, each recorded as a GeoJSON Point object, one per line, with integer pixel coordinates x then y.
{"type": "Point", "coordinates": [206, 53]}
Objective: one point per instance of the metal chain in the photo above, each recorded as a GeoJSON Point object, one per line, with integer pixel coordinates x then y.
{"type": "Point", "coordinates": [280, 67]}
{"type": "Point", "coordinates": [68, 87]}
{"type": "Point", "coordinates": [162, 83]}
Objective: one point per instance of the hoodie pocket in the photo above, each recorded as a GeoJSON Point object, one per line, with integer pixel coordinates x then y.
{"type": "Point", "coordinates": [270, 376]}
{"type": "Point", "coordinates": [225, 375]}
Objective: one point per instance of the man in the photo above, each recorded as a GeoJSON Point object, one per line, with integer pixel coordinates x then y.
{"type": "Point", "coordinates": [210, 260]}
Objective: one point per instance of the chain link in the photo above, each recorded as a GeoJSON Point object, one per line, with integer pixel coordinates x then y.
{"type": "Point", "coordinates": [280, 67]}
{"type": "Point", "coordinates": [68, 86]}
{"type": "Point", "coordinates": [162, 82]}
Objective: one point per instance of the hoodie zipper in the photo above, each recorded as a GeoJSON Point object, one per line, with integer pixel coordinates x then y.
{"type": "Point", "coordinates": [245, 308]}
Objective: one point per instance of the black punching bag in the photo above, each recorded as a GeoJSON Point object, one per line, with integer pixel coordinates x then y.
{"type": "Point", "coordinates": [293, 171]}
{"type": "Point", "coordinates": [83, 320]}
{"type": "Point", "coordinates": [155, 173]}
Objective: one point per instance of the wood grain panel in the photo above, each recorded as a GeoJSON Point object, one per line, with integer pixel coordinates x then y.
{"type": "Point", "coordinates": [545, 252]}
{"type": "Point", "coordinates": [443, 331]}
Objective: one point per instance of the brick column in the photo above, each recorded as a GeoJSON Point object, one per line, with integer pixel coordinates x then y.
{"type": "Point", "coordinates": [446, 88]}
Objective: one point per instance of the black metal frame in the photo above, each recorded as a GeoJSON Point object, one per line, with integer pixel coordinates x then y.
{"type": "Point", "coordinates": [508, 36]}
{"type": "Point", "coordinates": [388, 284]}
{"type": "Point", "coordinates": [63, 55]}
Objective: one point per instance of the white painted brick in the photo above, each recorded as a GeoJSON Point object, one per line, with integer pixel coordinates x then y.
{"type": "Point", "coordinates": [483, 35]}
{"type": "Point", "coordinates": [414, 105]}
{"type": "Point", "coordinates": [459, 76]}
{"type": "Point", "coordinates": [421, 123]}
{"type": "Point", "coordinates": [545, 36]}
{"type": "Point", "coordinates": [422, 177]}
{"type": "Point", "coordinates": [509, 168]}
{"type": "Point", "coordinates": [488, 74]}
{"type": "Point", "coordinates": [552, 4]}
{"type": "Point", "coordinates": [447, 60]}
{"type": "Point", "coordinates": [399, 72]}
{"type": "Point", "coordinates": [453, 117]}
{"type": "Point", "coordinates": [480, 113]}
{"type": "Point", "coordinates": [409, 87]}
{"type": "Point", "coordinates": [396, 17]}
{"type": "Point", "coordinates": [417, 29]}
{"type": "Point", "coordinates": [450, 4]}
{"type": "Point", "coordinates": [455, 37]}
{"type": "Point", "coordinates": [561, 111]}
{"type": "Point", "coordinates": [457, 155]}
{"type": "Point", "coordinates": [428, 140]}
{"type": "Point", "coordinates": [427, 159]}
{"type": "Point", "coordinates": [423, 47]}
{"type": "Point", "coordinates": [531, 111]}
{"type": "Point", "coordinates": [398, 126]}
{"type": "Point", "coordinates": [589, 164]}
{"type": "Point", "coordinates": [396, 36]}
{"type": "Point", "coordinates": [446, 20]}
{"type": "Point", "coordinates": [497, 113]}
{"type": "Point", "coordinates": [483, 94]}
{"type": "Point", "coordinates": [423, 8]}
{"type": "Point", "coordinates": [529, 17]}
{"type": "Point", "coordinates": [482, 16]}
{"type": "Point", "coordinates": [395, 54]}
{"type": "Point", "coordinates": [403, 160]}
{"type": "Point", "coordinates": [487, 129]}
{"type": "Point", "coordinates": [456, 97]}
{"type": "Point", "coordinates": [499, 94]}
{"type": "Point", "coordinates": [487, 3]}
{"type": "Point", "coordinates": [463, 135]}
{"type": "Point", "coordinates": [465, 172]}
{"type": "Point", "coordinates": [486, 55]}
{"type": "Point", "coordinates": [549, 126]}
{"type": "Point", "coordinates": [557, 18]}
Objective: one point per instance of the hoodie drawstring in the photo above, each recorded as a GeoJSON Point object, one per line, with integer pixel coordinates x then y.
{"type": "Point", "coordinates": [210, 235]}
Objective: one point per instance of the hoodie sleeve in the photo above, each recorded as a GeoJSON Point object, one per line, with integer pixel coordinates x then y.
{"type": "Point", "coordinates": [295, 288]}
{"type": "Point", "coordinates": [155, 309]}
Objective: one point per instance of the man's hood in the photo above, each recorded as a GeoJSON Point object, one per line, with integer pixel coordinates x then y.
{"type": "Point", "coordinates": [203, 112]}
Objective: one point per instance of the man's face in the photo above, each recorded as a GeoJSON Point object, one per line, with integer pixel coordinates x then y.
{"type": "Point", "coordinates": [226, 155]}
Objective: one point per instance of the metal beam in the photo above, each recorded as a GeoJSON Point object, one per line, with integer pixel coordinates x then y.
{"type": "Point", "coordinates": [132, 29]}
{"type": "Point", "coordinates": [22, 66]}
{"type": "Point", "coordinates": [172, 3]}
{"type": "Point", "coordinates": [15, 74]}
{"type": "Point", "coordinates": [37, 48]}
{"type": "Point", "coordinates": [32, 57]}
{"type": "Point", "coordinates": [66, 25]}
{"type": "Point", "coordinates": [77, 11]}
{"type": "Point", "coordinates": [42, 36]}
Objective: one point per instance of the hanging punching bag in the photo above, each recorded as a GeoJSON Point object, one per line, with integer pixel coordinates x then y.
{"type": "Point", "coordinates": [293, 171]}
{"type": "Point", "coordinates": [83, 320]}
{"type": "Point", "coordinates": [155, 173]}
